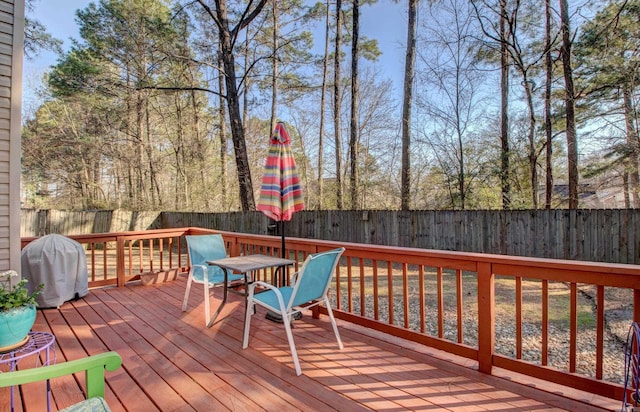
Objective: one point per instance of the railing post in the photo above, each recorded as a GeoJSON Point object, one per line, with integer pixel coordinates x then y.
{"type": "Point", "coordinates": [486, 317]}
{"type": "Point", "coordinates": [120, 261]}
{"type": "Point", "coordinates": [234, 247]}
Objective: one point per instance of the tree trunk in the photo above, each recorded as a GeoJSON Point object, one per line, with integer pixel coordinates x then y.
{"type": "Point", "coordinates": [505, 172]}
{"type": "Point", "coordinates": [274, 82]}
{"type": "Point", "coordinates": [142, 169]}
{"type": "Point", "coordinates": [547, 106]}
{"type": "Point", "coordinates": [222, 117]}
{"type": "Point", "coordinates": [181, 182]}
{"type": "Point", "coordinates": [632, 142]}
{"type": "Point", "coordinates": [337, 103]}
{"type": "Point", "coordinates": [572, 143]}
{"type": "Point", "coordinates": [625, 184]}
{"type": "Point", "coordinates": [325, 71]}
{"type": "Point", "coordinates": [533, 157]}
{"type": "Point", "coordinates": [353, 141]}
{"type": "Point", "coordinates": [407, 100]}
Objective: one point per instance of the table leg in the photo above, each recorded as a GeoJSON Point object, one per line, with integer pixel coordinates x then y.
{"type": "Point", "coordinates": [12, 367]}
{"type": "Point", "coordinates": [48, 383]}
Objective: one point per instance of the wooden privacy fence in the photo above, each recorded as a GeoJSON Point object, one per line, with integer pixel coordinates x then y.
{"type": "Point", "coordinates": [611, 235]}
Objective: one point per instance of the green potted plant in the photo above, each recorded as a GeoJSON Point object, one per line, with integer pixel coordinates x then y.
{"type": "Point", "coordinates": [17, 311]}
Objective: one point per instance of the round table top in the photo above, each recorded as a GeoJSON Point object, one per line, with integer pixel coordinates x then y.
{"type": "Point", "coordinates": [36, 343]}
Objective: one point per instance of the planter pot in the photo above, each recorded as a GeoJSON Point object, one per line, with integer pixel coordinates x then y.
{"type": "Point", "coordinates": [15, 325]}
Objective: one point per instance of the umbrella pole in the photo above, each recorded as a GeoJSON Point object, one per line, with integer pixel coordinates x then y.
{"type": "Point", "coordinates": [282, 252]}
{"type": "Point", "coordinates": [272, 316]}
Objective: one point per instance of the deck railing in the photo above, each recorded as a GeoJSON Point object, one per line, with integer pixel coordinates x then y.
{"type": "Point", "coordinates": [554, 320]}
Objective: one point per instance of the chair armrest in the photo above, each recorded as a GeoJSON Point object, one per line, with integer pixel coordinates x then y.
{"type": "Point", "coordinates": [265, 285]}
{"type": "Point", "coordinates": [93, 366]}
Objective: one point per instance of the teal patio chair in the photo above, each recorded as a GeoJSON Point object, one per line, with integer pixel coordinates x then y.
{"type": "Point", "coordinates": [309, 288]}
{"type": "Point", "coordinates": [203, 248]}
{"type": "Point", "coordinates": [93, 367]}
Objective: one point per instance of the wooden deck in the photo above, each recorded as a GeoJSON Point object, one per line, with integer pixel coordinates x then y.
{"type": "Point", "coordinates": [171, 362]}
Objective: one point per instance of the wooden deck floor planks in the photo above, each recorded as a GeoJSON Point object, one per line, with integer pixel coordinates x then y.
{"type": "Point", "coordinates": [171, 362]}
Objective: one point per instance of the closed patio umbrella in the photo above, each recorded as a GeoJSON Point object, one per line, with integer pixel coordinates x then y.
{"type": "Point", "coordinates": [280, 190]}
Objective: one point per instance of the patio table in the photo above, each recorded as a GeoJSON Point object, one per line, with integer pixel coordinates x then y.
{"type": "Point", "coordinates": [246, 264]}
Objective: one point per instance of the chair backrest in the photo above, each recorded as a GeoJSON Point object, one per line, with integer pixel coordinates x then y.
{"type": "Point", "coordinates": [203, 248]}
{"type": "Point", "coordinates": [315, 276]}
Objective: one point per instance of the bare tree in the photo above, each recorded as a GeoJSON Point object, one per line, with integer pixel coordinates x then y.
{"type": "Point", "coordinates": [228, 37]}
{"type": "Point", "coordinates": [452, 102]}
{"type": "Point", "coordinates": [517, 38]}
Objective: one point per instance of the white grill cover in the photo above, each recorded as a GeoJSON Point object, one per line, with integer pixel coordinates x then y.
{"type": "Point", "coordinates": [60, 264]}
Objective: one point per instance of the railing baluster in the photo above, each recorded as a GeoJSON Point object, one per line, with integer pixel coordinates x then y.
{"type": "Point", "coordinates": [349, 286]}
{"type": "Point", "coordinates": [151, 255]}
{"type": "Point", "coordinates": [362, 288]}
{"type": "Point", "coordinates": [105, 265]}
{"type": "Point", "coordinates": [599, 330]}
{"type": "Point", "coordinates": [405, 295]}
{"type": "Point", "coordinates": [141, 256]}
{"type": "Point", "coordinates": [573, 327]}
{"type": "Point", "coordinates": [459, 305]}
{"type": "Point", "coordinates": [421, 291]}
{"type": "Point", "coordinates": [93, 261]}
{"type": "Point", "coordinates": [376, 308]}
{"type": "Point", "coordinates": [518, 320]}
{"type": "Point", "coordinates": [440, 311]}
{"type": "Point", "coordinates": [161, 252]}
{"type": "Point", "coordinates": [390, 291]}
{"type": "Point", "coordinates": [130, 265]}
{"type": "Point", "coordinates": [545, 323]}
{"type": "Point", "coordinates": [338, 289]}
{"type": "Point", "coordinates": [120, 261]}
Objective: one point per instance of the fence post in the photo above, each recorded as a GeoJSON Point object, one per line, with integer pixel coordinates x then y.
{"type": "Point", "coordinates": [486, 317]}
{"type": "Point", "coordinates": [120, 261]}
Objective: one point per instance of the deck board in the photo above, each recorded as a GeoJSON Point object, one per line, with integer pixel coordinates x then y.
{"type": "Point", "coordinates": [171, 362]}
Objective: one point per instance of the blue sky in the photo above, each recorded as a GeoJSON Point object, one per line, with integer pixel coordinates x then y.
{"type": "Point", "coordinates": [384, 21]}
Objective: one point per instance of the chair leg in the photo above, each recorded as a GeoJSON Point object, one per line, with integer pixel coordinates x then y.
{"type": "Point", "coordinates": [247, 323]}
{"type": "Point", "coordinates": [207, 306]}
{"type": "Point", "coordinates": [333, 323]}
{"type": "Point", "coordinates": [186, 293]}
{"type": "Point", "coordinates": [220, 306]}
{"type": "Point", "coordinates": [292, 345]}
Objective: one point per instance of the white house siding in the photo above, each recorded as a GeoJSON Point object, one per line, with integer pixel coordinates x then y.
{"type": "Point", "coordinates": [11, 55]}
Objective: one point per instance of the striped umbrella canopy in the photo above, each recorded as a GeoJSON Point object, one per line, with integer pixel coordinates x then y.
{"type": "Point", "coordinates": [280, 191]}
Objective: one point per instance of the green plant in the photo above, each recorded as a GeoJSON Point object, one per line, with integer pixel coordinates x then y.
{"type": "Point", "coordinates": [18, 295]}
